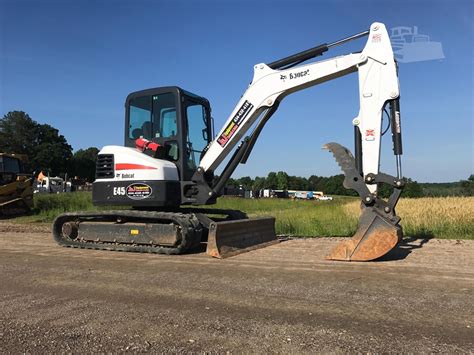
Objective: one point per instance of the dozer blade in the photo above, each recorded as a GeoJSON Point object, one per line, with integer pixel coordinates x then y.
{"type": "Point", "coordinates": [229, 238]}
{"type": "Point", "coordinates": [13, 207]}
{"type": "Point", "coordinates": [374, 238]}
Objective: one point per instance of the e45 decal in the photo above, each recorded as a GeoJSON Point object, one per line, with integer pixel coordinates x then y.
{"type": "Point", "coordinates": [119, 191]}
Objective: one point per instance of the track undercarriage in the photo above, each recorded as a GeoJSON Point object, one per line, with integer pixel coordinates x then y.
{"type": "Point", "coordinates": [227, 232]}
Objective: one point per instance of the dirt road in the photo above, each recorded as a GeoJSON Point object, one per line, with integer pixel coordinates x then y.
{"type": "Point", "coordinates": [285, 298]}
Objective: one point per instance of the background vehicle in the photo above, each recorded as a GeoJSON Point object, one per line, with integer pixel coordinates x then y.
{"type": "Point", "coordinates": [303, 195]}
{"type": "Point", "coordinates": [325, 198]}
{"type": "Point", "coordinates": [52, 185]}
{"type": "Point", "coordinates": [16, 191]}
{"type": "Point", "coordinates": [171, 154]}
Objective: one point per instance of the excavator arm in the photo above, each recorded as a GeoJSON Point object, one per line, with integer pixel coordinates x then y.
{"type": "Point", "coordinates": [378, 230]}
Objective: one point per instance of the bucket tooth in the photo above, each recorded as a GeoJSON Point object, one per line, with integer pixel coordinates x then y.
{"type": "Point", "coordinates": [229, 238]}
{"type": "Point", "coordinates": [374, 238]}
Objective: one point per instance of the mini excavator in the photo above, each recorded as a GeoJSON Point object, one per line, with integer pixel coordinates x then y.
{"type": "Point", "coordinates": [166, 166]}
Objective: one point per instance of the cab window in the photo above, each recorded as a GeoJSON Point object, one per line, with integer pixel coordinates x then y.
{"type": "Point", "coordinates": [140, 118]}
{"type": "Point", "coordinates": [153, 117]}
{"type": "Point", "coordinates": [197, 137]}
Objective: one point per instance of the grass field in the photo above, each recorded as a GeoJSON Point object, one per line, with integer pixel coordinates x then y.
{"type": "Point", "coordinates": [300, 218]}
{"type": "Point", "coordinates": [440, 217]}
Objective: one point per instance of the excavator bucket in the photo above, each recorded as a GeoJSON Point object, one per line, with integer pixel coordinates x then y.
{"type": "Point", "coordinates": [374, 238]}
{"type": "Point", "coordinates": [229, 238]}
{"type": "Point", "coordinates": [379, 230]}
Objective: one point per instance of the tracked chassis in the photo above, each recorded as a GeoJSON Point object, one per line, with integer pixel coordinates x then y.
{"type": "Point", "coordinates": [164, 232]}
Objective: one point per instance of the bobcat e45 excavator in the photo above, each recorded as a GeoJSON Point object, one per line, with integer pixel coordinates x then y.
{"type": "Point", "coordinates": [170, 156]}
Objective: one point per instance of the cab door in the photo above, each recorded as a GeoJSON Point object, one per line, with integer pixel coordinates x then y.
{"type": "Point", "coordinates": [197, 134]}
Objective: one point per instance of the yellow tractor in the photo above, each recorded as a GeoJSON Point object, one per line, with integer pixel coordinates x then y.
{"type": "Point", "coordinates": [16, 187]}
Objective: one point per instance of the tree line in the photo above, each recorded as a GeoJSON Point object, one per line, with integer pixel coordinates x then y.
{"type": "Point", "coordinates": [332, 185]}
{"type": "Point", "coordinates": [49, 151]}
{"type": "Point", "coordinates": [46, 149]}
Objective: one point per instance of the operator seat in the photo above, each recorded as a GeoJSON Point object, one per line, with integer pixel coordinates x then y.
{"type": "Point", "coordinates": [137, 133]}
{"type": "Point", "coordinates": [146, 130]}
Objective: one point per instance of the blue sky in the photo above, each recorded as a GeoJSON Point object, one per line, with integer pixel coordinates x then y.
{"type": "Point", "coordinates": [72, 63]}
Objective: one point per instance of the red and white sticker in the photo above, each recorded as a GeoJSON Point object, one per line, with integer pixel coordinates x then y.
{"type": "Point", "coordinates": [377, 37]}
{"type": "Point", "coordinates": [370, 134]}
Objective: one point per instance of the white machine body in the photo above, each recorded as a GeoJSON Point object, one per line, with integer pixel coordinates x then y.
{"type": "Point", "coordinates": [132, 164]}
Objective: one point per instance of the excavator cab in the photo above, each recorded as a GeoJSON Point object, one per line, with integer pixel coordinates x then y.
{"type": "Point", "coordinates": [178, 121]}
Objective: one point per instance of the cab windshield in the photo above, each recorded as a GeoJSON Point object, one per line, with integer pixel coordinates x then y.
{"type": "Point", "coordinates": [153, 117]}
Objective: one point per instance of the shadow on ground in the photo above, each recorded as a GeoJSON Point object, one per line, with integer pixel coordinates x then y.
{"type": "Point", "coordinates": [406, 246]}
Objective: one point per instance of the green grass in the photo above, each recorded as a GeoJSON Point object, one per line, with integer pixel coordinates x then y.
{"type": "Point", "coordinates": [298, 217]}
{"type": "Point", "coordinates": [449, 218]}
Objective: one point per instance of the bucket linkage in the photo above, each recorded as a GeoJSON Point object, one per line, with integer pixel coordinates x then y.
{"type": "Point", "coordinates": [379, 230]}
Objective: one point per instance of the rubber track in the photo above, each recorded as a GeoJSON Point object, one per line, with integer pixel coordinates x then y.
{"type": "Point", "coordinates": [190, 230]}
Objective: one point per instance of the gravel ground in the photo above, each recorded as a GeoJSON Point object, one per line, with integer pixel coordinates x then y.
{"type": "Point", "coordinates": [281, 299]}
